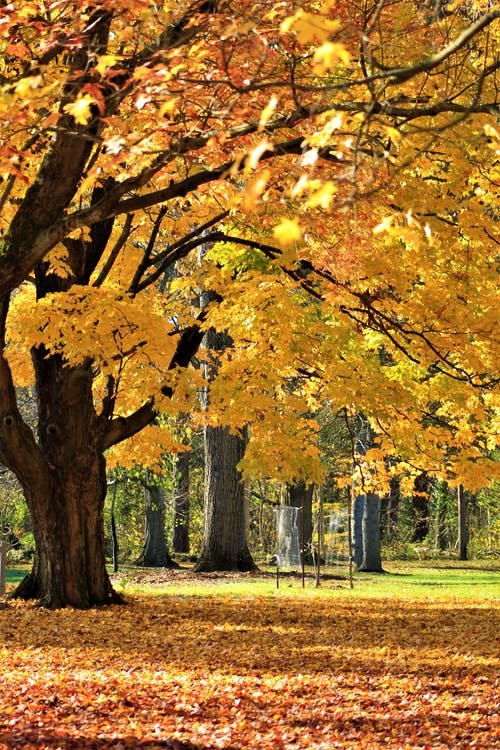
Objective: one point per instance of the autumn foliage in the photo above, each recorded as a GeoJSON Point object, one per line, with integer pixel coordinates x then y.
{"type": "Point", "coordinates": [340, 162]}
{"type": "Point", "coordinates": [281, 672]}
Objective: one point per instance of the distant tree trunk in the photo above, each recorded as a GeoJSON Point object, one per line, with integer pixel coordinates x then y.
{"type": "Point", "coordinates": [389, 517]}
{"type": "Point", "coordinates": [180, 494]}
{"type": "Point", "coordinates": [358, 505]}
{"type": "Point", "coordinates": [114, 535]}
{"type": "Point", "coordinates": [440, 517]}
{"type": "Point", "coordinates": [420, 508]}
{"type": "Point", "coordinates": [371, 561]}
{"type": "Point", "coordinates": [365, 519]}
{"type": "Point", "coordinates": [462, 523]}
{"type": "Point", "coordinates": [154, 552]}
{"type": "Point", "coordinates": [224, 544]}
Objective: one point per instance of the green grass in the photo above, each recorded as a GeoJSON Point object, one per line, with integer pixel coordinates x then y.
{"type": "Point", "coordinates": [432, 580]}
{"type": "Point", "coordinates": [14, 575]}
{"type": "Point", "coordinates": [469, 580]}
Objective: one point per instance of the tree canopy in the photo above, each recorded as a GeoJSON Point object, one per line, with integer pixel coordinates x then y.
{"type": "Point", "coordinates": [329, 171]}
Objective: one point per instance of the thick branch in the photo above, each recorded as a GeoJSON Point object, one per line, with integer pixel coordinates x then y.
{"type": "Point", "coordinates": [124, 427]}
{"type": "Point", "coordinates": [18, 448]}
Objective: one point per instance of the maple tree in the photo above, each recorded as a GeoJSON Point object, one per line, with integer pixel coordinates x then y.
{"type": "Point", "coordinates": [310, 148]}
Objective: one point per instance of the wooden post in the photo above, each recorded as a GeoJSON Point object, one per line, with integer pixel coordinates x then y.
{"type": "Point", "coordinates": [3, 563]}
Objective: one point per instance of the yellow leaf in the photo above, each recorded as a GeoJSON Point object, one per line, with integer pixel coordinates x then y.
{"type": "Point", "coordinates": [385, 225]}
{"type": "Point", "coordinates": [328, 55]}
{"type": "Point", "coordinates": [168, 107]}
{"type": "Point", "coordinates": [106, 61]}
{"type": "Point", "coordinates": [80, 109]}
{"type": "Point", "coordinates": [287, 232]}
{"type": "Point", "coordinates": [309, 27]}
{"type": "Point", "coordinates": [253, 190]}
{"type": "Point", "coordinates": [322, 197]}
{"type": "Point", "coordinates": [267, 113]}
{"type": "Point", "coordinates": [256, 153]}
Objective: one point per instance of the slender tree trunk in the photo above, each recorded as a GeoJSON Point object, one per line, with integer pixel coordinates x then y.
{"type": "Point", "coordinates": [462, 523]}
{"type": "Point", "coordinates": [114, 534]}
{"type": "Point", "coordinates": [389, 516]}
{"type": "Point", "coordinates": [181, 501]}
{"type": "Point", "coordinates": [154, 553]}
{"type": "Point", "coordinates": [441, 530]}
{"type": "Point", "coordinates": [370, 525]}
{"type": "Point", "coordinates": [224, 544]}
{"type": "Point", "coordinates": [366, 513]}
{"type": "Point", "coordinates": [420, 508]}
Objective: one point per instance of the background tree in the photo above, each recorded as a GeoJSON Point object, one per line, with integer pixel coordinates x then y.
{"type": "Point", "coordinates": [155, 552]}
{"type": "Point", "coordinates": [225, 543]}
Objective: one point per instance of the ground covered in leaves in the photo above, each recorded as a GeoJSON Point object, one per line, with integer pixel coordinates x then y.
{"type": "Point", "coordinates": [278, 672]}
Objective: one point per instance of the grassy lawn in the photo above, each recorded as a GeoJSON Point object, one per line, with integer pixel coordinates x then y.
{"type": "Point", "coordinates": [408, 660]}
{"type": "Point", "coordinates": [448, 578]}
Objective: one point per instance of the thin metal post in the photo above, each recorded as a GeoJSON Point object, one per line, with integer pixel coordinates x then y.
{"type": "Point", "coordinates": [303, 546]}
{"type": "Point", "coordinates": [349, 534]}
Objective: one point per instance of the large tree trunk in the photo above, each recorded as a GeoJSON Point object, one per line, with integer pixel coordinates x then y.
{"type": "Point", "coordinates": [358, 505]}
{"type": "Point", "coordinates": [366, 512]}
{"type": "Point", "coordinates": [64, 481]}
{"type": "Point", "coordinates": [224, 540]}
{"type": "Point", "coordinates": [69, 566]}
{"type": "Point", "coordinates": [224, 545]}
{"type": "Point", "coordinates": [155, 553]}
{"type": "Point", "coordinates": [365, 524]}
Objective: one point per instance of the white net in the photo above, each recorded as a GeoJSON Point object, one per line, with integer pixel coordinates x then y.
{"type": "Point", "coordinates": [336, 539]}
{"type": "Point", "coordinates": [288, 537]}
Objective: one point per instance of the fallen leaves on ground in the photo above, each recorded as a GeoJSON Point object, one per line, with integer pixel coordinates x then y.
{"type": "Point", "coordinates": [275, 672]}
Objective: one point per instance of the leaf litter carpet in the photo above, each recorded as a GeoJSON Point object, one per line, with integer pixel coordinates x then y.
{"type": "Point", "coordinates": [280, 672]}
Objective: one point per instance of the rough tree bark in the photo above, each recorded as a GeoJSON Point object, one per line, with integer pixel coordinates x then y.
{"type": "Point", "coordinates": [224, 545]}
{"type": "Point", "coordinates": [300, 496]}
{"type": "Point", "coordinates": [64, 481]}
{"type": "Point", "coordinates": [371, 560]}
{"type": "Point", "coordinates": [224, 539]}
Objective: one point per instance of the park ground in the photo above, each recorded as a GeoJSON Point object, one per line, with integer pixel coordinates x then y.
{"type": "Point", "coordinates": [406, 659]}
